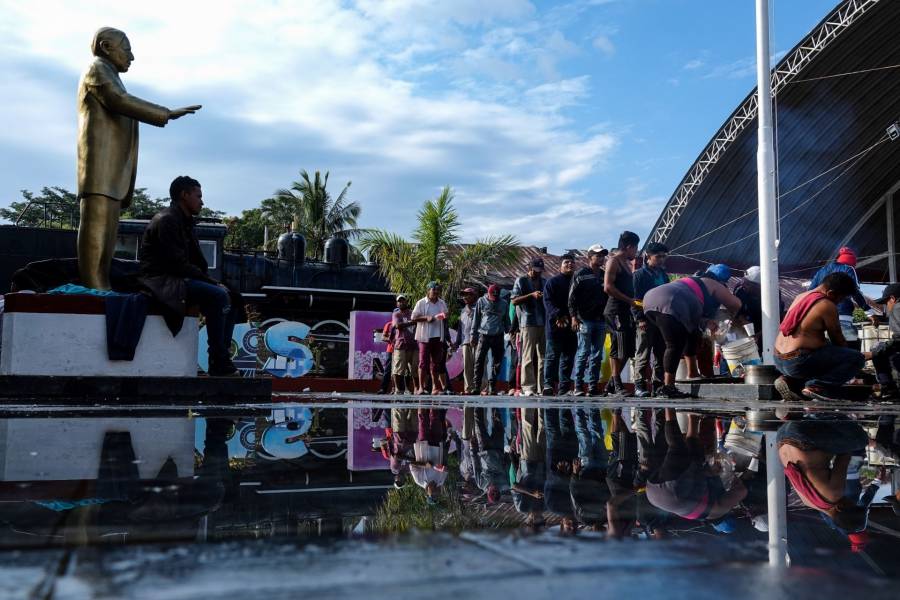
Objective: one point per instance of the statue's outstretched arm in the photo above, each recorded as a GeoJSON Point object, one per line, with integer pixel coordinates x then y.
{"type": "Point", "coordinates": [122, 102]}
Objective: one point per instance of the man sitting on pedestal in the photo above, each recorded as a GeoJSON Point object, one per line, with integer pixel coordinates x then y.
{"type": "Point", "coordinates": [174, 269]}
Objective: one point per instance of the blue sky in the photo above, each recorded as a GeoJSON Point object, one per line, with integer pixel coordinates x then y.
{"type": "Point", "coordinates": [560, 122]}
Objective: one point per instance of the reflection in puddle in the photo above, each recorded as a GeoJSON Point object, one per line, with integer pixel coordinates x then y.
{"type": "Point", "coordinates": [593, 473]}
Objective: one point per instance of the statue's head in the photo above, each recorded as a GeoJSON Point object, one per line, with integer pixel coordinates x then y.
{"type": "Point", "coordinates": [113, 45]}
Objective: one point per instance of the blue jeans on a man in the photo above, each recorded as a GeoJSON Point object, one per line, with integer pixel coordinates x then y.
{"type": "Point", "coordinates": [589, 431]}
{"type": "Point", "coordinates": [215, 305]}
{"type": "Point", "coordinates": [559, 357]}
{"type": "Point", "coordinates": [829, 367]}
{"type": "Point", "coordinates": [591, 335]}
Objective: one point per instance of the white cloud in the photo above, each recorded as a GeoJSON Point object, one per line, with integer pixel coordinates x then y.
{"type": "Point", "coordinates": [694, 64]}
{"type": "Point", "coordinates": [322, 84]}
{"type": "Point", "coordinates": [605, 45]}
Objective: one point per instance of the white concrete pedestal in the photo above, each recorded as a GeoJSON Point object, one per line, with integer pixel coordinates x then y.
{"type": "Point", "coordinates": [66, 336]}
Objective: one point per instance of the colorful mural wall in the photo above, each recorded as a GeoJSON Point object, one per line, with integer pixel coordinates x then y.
{"type": "Point", "coordinates": [283, 348]}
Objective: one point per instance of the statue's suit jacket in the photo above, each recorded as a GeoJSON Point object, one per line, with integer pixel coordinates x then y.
{"type": "Point", "coordinates": [108, 132]}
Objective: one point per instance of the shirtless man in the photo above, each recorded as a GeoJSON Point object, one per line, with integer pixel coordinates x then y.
{"type": "Point", "coordinates": [815, 454]}
{"type": "Point", "coordinates": [801, 350]}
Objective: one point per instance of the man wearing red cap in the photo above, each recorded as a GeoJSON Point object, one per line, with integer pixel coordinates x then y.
{"type": "Point", "coordinates": [464, 338]}
{"type": "Point", "coordinates": [490, 324]}
{"type": "Point", "coordinates": [844, 263]}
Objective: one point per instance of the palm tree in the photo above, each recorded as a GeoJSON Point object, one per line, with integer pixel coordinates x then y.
{"type": "Point", "coordinates": [435, 254]}
{"type": "Point", "coordinates": [309, 209]}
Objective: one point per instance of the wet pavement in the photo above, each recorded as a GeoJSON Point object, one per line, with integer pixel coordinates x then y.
{"type": "Point", "coordinates": [344, 496]}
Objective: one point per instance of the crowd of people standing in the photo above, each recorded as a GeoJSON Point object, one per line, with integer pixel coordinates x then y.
{"type": "Point", "coordinates": [556, 328]}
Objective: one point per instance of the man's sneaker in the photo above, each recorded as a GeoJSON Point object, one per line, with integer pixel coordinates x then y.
{"type": "Point", "coordinates": [593, 390]}
{"type": "Point", "coordinates": [788, 390]}
{"type": "Point", "coordinates": [888, 392]}
{"type": "Point", "coordinates": [223, 369]}
{"type": "Point", "coordinates": [640, 390]}
{"type": "Point", "coordinates": [610, 388]}
{"type": "Point", "coordinates": [548, 391]}
{"type": "Point", "coordinates": [563, 390]}
{"type": "Point", "coordinates": [614, 387]}
{"type": "Point", "coordinates": [578, 391]}
{"type": "Point", "coordinates": [671, 392]}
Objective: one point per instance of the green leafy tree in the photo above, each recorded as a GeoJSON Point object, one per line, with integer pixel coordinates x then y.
{"type": "Point", "coordinates": [142, 206]}
{"type": "Point", "coordinates": [308, 208]}
{"type": "Point", "coordinates": [58, 207]}
{"type": "Point", "coordinates": [52, 206]}
{"type": "Point", "coordinates": [246, 231]}
{"type": "Point", "coordinates": [435, 254]}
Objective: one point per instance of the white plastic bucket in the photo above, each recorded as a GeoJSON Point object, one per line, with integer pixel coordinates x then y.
{"type": "Point", "coordinates": [739, 354]}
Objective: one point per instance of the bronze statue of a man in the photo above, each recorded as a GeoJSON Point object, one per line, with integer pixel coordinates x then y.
{"type": "Point", "coordinates": [108, 151]}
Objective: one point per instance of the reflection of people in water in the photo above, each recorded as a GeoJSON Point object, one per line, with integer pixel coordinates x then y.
{"type": "Point", "coordinates": [562, 452]}
{"type": "Point", "coordinates": [587, 487]}
{"type": "Point", "coordinates": [493, 478]}
{"type": "Point", "coordinates": [684, 484]}
{"type": "Point", "coordinates": [528, 491]}
{"type": "Point", "coordinates": [429, 469]}
{"type": "Point", "coordinates": [404, 431]}
{"type": "Point", "coordinates": [816, 454]}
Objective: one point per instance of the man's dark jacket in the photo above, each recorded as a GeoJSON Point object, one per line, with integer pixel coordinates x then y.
{"type": "Point", "coordinates": [556, 301]}
{"type": "Point", "coordinates": [587, 300]}
{"type": "Point", "coordinates": [170, 254]}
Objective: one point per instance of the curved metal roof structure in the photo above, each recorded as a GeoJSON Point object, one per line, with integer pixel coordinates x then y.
{"type": "Point", "coordinates": [836, 94]}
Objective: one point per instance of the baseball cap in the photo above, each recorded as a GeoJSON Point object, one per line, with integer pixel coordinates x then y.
{"type": "Point", "coordinates": [596, 249]}
{"type": "Point", "coordinates": [720, 272]}
{"type": "Point", "coordinates": [434, 284]}
{"type": "Point", "coordinates": [892, 289]}
{"type": "Point", "coordinates": [846, 256]}
{"type": "Point", "coordinates": [753, 274]}
{"type": "Point", "coordinates": [858, 541]}
{"type": "Point", "coordinates": [724, 525]}
{"type": "Point", "coordinates": [401, 297]}
{"type": "Point", "coordinates": [536, 263]}
{"type": "Point", "coordinates": [468, 290]}
{"type": "Point", "coordinates": [761, 523]}
{"type": "Point", "coordinates": [493, 290]}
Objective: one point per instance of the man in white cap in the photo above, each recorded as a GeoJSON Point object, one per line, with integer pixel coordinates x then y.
{"type": "Point", "coordinates": [749, 292]}
{"type": "Point", "coordinates": [587, 301]}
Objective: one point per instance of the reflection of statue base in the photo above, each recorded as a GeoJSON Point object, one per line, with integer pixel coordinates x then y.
{"type": "Point", "coordinates": [66, 336]}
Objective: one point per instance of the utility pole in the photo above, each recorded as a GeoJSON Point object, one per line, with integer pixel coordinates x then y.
{"type": "Point", "coordinates": [768, 264]}
{"type": "Point", "coordinates": [765, 176]}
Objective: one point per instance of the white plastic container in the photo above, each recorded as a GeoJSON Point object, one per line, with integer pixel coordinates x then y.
{"type": "Point", "coordinates": [739, 354]}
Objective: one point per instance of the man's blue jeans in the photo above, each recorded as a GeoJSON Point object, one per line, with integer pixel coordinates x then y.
{"type": "Point", "coordinates": [591, 336]}
{"type": "Point", "coordinates": [215, 305]}
{"type": "Point", "coordinates": [561, 439]}
{"type": "Point", "coordinates": [558, 359]}
{"type": "Point", "coordinates": [589, 430]}
{"type": "Point", "coordinates": [829, 367]}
